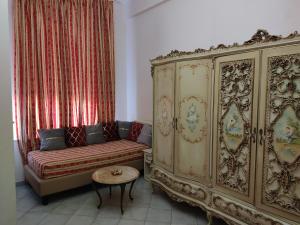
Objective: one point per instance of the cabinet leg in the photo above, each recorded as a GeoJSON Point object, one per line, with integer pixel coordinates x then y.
{"type": "Point", "coordinates": [209, 218]}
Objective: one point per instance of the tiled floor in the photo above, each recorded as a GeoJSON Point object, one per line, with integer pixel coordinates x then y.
{"type": "Point", "coordinates": [78, 207]}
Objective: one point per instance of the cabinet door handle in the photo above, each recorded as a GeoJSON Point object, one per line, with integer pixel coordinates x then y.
{"type": "Point", "coordinates": [176, 123]}
{"type": "Point", "coordinates": [253, 135]}
{"type": "Point", "coordinates": [261, 134]}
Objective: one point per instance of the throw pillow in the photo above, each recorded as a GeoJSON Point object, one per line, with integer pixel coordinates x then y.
{"type": "Point", "coordinates": [135, 131]}
{"type": "Point", "coordinates": [94, 134]}
{"type": "Point", "coordinates": [145, 136]}
{"type": "Point", "coordinates": [75, 136]}
{"type": "Point", "coordinates": [123, 128]}
{"type": "Point", "coordinates": [52, 139]}
{"type": "Point", "coordinates": [110, 130]}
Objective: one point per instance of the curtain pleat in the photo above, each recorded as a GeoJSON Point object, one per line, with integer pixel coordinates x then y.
{"type": "Point", "coordinates": [63, 66]}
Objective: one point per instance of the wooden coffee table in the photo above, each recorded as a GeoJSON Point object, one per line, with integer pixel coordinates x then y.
{"type": "Point", "coordinates": [104, 176]}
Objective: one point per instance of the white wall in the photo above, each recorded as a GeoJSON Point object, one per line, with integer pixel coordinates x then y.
{"type": "Point", "coordinates": [191, 24]}
{"type": "Point", "coordinates": [120, 26]}
{"type": "Point", "coordinates": [7, 178]}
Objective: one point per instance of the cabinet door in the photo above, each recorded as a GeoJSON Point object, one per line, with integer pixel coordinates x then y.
{"type": "Point", "coordinates": [235, 124]}
{"type": "Point", "coordinates": [163, 145]}
{"type": "Point", "coordinates": [192, 145]}
{"type": "Point", "coordinates": [278, 174]}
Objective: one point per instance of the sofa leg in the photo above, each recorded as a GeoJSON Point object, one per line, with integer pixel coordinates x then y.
{"type": "Point", "coordinates": [45, 200]}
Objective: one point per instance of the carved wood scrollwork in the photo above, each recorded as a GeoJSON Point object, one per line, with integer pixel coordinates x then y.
{"type": "Point", "coordinates": [248, 216]}
{"type": "Point", "coordinates": [180, 187]}
{"type": "Point", "coordinates": [282, 155]}
{"type": "Point", "coordinates": [261, 36]}
{"type": "Point", "coordinates": [235, 109]}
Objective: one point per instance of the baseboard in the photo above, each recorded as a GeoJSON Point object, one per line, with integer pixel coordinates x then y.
{"type": "Point", "coordinates": [20, 183]}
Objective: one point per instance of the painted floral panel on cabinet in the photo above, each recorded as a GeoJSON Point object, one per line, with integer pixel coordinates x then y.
{"type": "Point", "coordinates": [279, 144]}
{"type": "Point", "coordinates": [236, 77]}
{"type": "Point", "coordinates": [163, 146]}
{"type": "Point", "coordinates": [193, 94]}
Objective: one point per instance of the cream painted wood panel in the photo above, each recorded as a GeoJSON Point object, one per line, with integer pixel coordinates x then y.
{"type": "Point", "coordinates": [192, 110]}
{"type": "Point", "coordinates": [164, 86]}
{"type": "Point", "coordinates": [235, 124]}
{"type": "Point", "coordinates": [278, 159]}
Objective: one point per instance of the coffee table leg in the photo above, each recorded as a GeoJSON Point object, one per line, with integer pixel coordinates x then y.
{"type": "Point", "coordinates": [130, 190]}
{"type": "Point", "coordinates": [110, 191]}
{"type": "Point", "coordinates": [122, 193]}
{"type": "Point", "coordinates": [99, 196]}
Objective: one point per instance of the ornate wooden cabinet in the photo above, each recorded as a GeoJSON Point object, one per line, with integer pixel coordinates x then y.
{"type": "Point", "coordinates": [227, 129]}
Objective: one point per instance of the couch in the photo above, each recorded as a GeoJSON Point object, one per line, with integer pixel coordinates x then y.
{"type": "Point", "coordinates": [54, 171]}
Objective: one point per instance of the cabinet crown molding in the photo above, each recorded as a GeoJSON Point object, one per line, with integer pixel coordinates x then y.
{"type": "Point", "coordinates": [261, 36]}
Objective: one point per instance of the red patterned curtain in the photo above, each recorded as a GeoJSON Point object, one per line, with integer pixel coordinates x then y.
{"type": "Point", "coordinates": [63, 65]}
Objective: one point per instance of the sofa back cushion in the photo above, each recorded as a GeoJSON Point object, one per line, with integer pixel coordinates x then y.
{"type": "Point", "coordinates": [123, 129]}
{"type": "Point", "coordinates": [135, 131]}
{"type": "Point", "coordinates": [75, 136]}
{"type": "Point", "coordinates": [145, 136]}
{"type": "Point", "coordinates": [52, 139]}
{"type": "Point", "coordinates": [110, 130]}
{"type": "Point", "coordinates": [94, 134]}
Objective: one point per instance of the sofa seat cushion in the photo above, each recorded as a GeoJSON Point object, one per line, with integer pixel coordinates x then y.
{"type": "Point", "coordinates": [57, 163]}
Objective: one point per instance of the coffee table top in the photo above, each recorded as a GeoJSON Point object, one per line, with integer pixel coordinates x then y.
{"type": "Point", "coordinates": [104, 175]}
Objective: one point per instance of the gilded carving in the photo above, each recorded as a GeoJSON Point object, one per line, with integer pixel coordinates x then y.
{"type": "Point", "coordinates": [248, 216]}
{"type": "Point", "coordinates": [164, 120]}
{"type": "Point", "coordinates": [261, 36]}
{"type": "Point", "coordinates": [282, 155]}
{"type": "Point", "coordinates": [180, 187]}
{"type": "Point", "coordinates": [235, 109]}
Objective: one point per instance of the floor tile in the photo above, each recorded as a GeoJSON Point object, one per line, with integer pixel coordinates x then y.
{"type": "Point", "coordinates": [22, 191]}
{"type": "Point", "coordinates": [88, 210]}
{"type": "Point", "coordinates": [80, 220]}
{"type": "Point", "coordinates": [55, 219]}
{"type": "Point", "coordinates": [31, 218]}
{"type": "Point", "coordinates": [20, 214]}
{"type": "Point", "coordinates": [110, 212]}
{"type": "Point", "coordinates": [26, 203]}
{"type": "Point", "coordinates": [135, 213]}
{"type": "Point", "coordinates": [45, 208]}
{"type": "Point", "coordinates": [187, 217]}
{"type": "Point", "coordinates": [159, 215]}
{"type": "Point", "coordinates": [67, 208]}
{"type": "Point", "coordinates": [80, 207]}
{"type": "Point", "coordinates": [131, 222]}
{"type": "Point", "coordinates": [155, 223]}
{"type": "Point", "coordinates": [106, 221]}
{"type": "Point", "coordinates": [160, 201]}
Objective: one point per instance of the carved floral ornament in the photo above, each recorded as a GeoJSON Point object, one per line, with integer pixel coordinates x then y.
{"type": "Point", "coordinates": [164, 121]}
{"type": "Point", "coordinates": [234, 127]}
{"type": "Point", "coordinates": [282, 164]}
{"type": "Point", "coordinates": [261, 36]}
{"type": "Point", "coordinates": [181, 187]}
{"type": "Point", "coordinates": [230, 208]}
{"type": "Point", "coordinates": [237, 211]}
